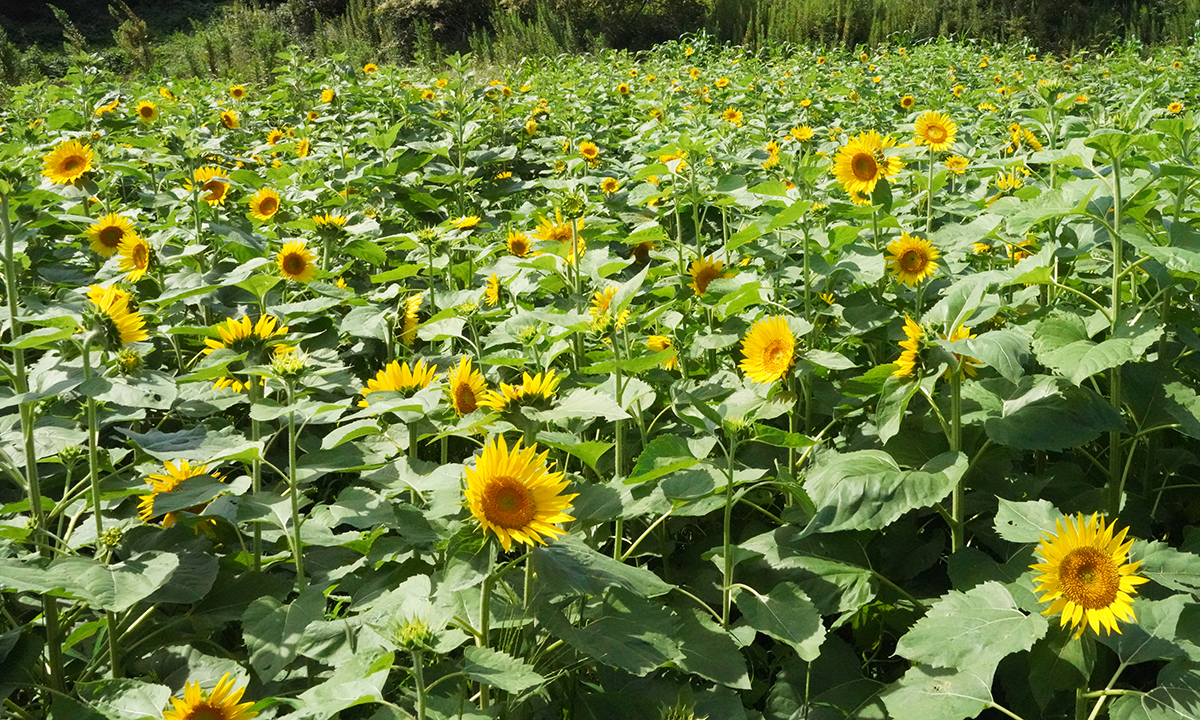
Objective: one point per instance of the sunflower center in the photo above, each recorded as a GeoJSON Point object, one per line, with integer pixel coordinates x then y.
{"type": "Point", "coordinates": [936, 134]}
{"type": "Point", "coordinates": [268, 205]}
{"type": "Point", "coordinates": [777, 356]}
{"type": "Point", "coordinates": [519, 248]}
{"type": "Point", "coordinates": [863, 166]}
{"type": "Point", "coordinates": [72, 163]}
{"type": "Point", "coordinates": [147, 112]}
{"type": "Point", "coordinates": [507, 503]}
{"type": "Point", "coordinates": [111, 236]}
{"type": "Point", "coordinates": [205, 711]}
{"type": "Point", "coordinates": [294, 264]}
{"type": "Point", "coordinates": [141, 257]}
{"type": "Point", "coordinates": [1088, 577]}
{"type": "Point", "coordinates": [912, 261]}
{"type": "Point", "coordinates": [464, 398]}
{"type": "Point", "coordinates": [215, 189]}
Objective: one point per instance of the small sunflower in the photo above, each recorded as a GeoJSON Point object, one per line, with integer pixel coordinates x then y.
{"type": "Point", "coordinates": [535, 390]}
{"type": "Point", "coordinates": [466, 222]}
{"type": "Point", "coordinates": [733, 116]}
{"type": "Point", "coordinates": [721, 82]}
{"type": "Point", "coordinates": [237, 92]}
{"type": "Point", "coordinates": [491, 295]}
{"type": "Point", "coordinates": [558, 231]}
{"type": "Point", "coordinates": [135, 257]}
{"type": "Point", "coordinates": [146, 111]}
{"type": "Point", "coordinates": [107, 233]}
{"type": "Point", "coordinates": [466, 387]}
{"type": "Point", "coordinates": [220, 704]}
{"type": "Point", "coordinates": [274, 136]}
{"type": "Point", "coordinates": [704, 271]}
{"type": "Point", "coordinates": [1175, 108]}
{"type": "Point", "coordinates": [67, 162]}
{"type": "Point", "coordinates": [860, 164]}
{"type": "Point", "coordinates": [412, 316]}
{"type": "Point", "coordinates": [969, 364]}
{"type": "Point", "coordinates": [329, 222]}
{"type": "Point", "coordinates": [229, 118]}
{"type": "Point", "coordinates": [957, 164]}
{"type": "Point", "coordinates": [328, 95]}
{"type": "Point", "coordinates": [303, 148]}
{"type": "Point", "coordinates": [400, 378]}
{"type": "Point", "coordinates": [800, 133]}
{"type": "Point", "coordinates": [589, 151]}
{"type": "Point", "coordinates": [514, 495]}
{"type": "Point", "coordinates": [602, 299]}
{"type": "Point", "coordinates": [769, 350]}
{"type": "Point", "coordinates": [518, 243]}
{"type": "Point", "coordinates": [213, 184]}
{"type": "Point", "coordinates": [530, 126]}
{"type": "Point", "coordinates": [296, 262]}
{"type": "Point", "coordinates": [370, 68]}
{"type": "Point", "coordinates": [609, 185]}
{"type": "Point", "coordinates": [911, 348]}
{"type": "Point", "coordinates": [264, 204]}
{"type": "Point", "coordinates": [907, 102]}
{"type": "Point", "coordinates": [936, 130]}
{"type": "Point", "coordinates": [623, 88]}
{"type": "Point", "coordinates": [658, 343]}
{"type": "Point", "coordinates": [124, 325]}
{"type": "Point", "coordinates": [912, 258]}
{"type": "Point", "coordinates": [1085, 575]}
{"type": "Point", "coordinates": [161, 484]}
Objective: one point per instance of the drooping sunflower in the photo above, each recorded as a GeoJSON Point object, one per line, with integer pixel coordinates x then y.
{"type": "Point", "coordinates": [412, 317]}
{"type": "Point", "coordinates": [466, 387]}
{"type": "Point", "coordinates": [602, 299]}
{"type": "Point", "coordinates": [1085, 575]}
{"type": "Point", "coordinates": [514, 495]}
{"type": "Point", "coordinates": [242, 336]}
{"type": "Point", "coordinates": [213, 184]}
{"type": "Point", "coordinates": [969, 364]}
{"type": "Point", "coordinates": [769, 350]}
{"type": "Point", "coordinates": [911, 348]}
{"type": "Point", "coordinates": [146, 111]}
{"type": "Point", "coordinates": [912, 259]}
{"type": "Point", "coordinates": [124, 325]}
{"type": "Point", "coordinates": [296, 262]}
{"type": "Point", "coordinates": [220, 704]}
{"type": "Point", "coordinates": [491, 294]}
{"type": "Point", "coordinates": [229, 118]}
{"type": "Point", "coordinates": [531, 126]}
{"type": "Point", "coordinates": [703, 272]}
{"type": "Point", "coordinates": [518, 243]}
{"type": "Point", "coordinates": [107, 233]}
{"type": "Point", "coordinates": [161, 484]}
{"type": "Point", "coordinates": [936, 130]}
{"type": "Point", "coordinates": [327, 95]}
{"type": "Point", "coordinates": [329, 222]}
{"type": "Point", "coordinates": [658, 343]}
{"type": "Point", "coordinates": [67, 162]}
{"type": "Point", "coordinates": [535, 390]}
{"type": "Point", "coordinates": [861, 163]}
{"type": "Point", "coordinates": [264, 204]}
{"type": "Point", "coordinates": [135, 257]}
{"type": "Point", "coordinates": [400, 378]}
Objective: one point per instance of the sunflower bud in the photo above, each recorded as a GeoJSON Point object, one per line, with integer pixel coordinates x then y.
{"type": "Point", "coordinates": [289, 365]}
{"type": "Point", "coordinates": [414, 634]}
{"type": "Point", "coordinates": [574, 205]}
{"type": "Point", "coordinates": [129, 361]}
{"type": "Point", "coordinates": [111, 537]}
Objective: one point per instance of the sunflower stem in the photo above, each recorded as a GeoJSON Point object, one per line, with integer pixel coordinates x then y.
{"type": "Point", "coordinates": [293, 488]}
{"type": "Point", "coordinates": [419, 682]}
{"type": "Point", "coordinates": [956, 506]}
{"type": "Point", "coordinates": [1116, 479]}
{"type": "Point", "coordinates": [254, 394]}
{"type": "Point", "coordinates": [929, 196]}
{"type": "Point", "coordinates": [727, 549]}
{"type": "Point", "coordinates": [485, 619]}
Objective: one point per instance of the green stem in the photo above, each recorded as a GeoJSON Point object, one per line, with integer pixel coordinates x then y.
{"type": "Point", "coordinates": [419, 681]}
{"type": "Point", "coordinates": [727, 550]}
{"type": "Point", "coordinates": [254, 392]}
{"type": "Point", "coordinates": [956, 507]}
{"type": "Point", "coordinates": [293, 488]}
{"type": "Point", "coordinates": [1116, 477]}
{"type": "Point", "coordinates": [929, 199]}
{"type": "Point", "coordinates": [485, 619]}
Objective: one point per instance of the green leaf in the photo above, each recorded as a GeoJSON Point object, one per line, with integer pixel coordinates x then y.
{"type": "Point", "coordinates": [710, 652]}
{"type": "Point", "coordinates": [663, 455]}
{"type": "Point", "coordinates": [1004, 350]}
{"type": "Point", "coordinates": [1061, 343]}
{"type": "Point", "coordinates": [1176, 697]}
{"type": "Point", "coordinates": [630, 365]}
{"type": "Point", "coordinates": [785, 614]}
{"type": "Point", "coordinates": [568, 566]}
{"type": "Point", "coordinates": [272, 630]}
{"type": "Point", "coordinates": [1167, 566]}
{"type": "Point", "coordinates": [1050, 204]}
{"type": "Point", "coordinates": [41, 337]}
{"type": "Point", "coordinates": [197, 490]}
{"type": "Point", "coordinates": [1183, 404]}
{"type": "Point", "coordinates": [583, 403]}
{"type": "Point", "coordinates": [197, 444]}
{"type": "Point", "coordinates": [833, 581]}
{"type": "Point", "coordinates": [868, 490]}
{"type": "Point", "coordinates": [633, 635]}
{"type": "Point", "coordinates": [1025, 522]}
{"type": "Point", "coordinates": [589, 451]}
{"type": "Point", "coordinates": [894, 397]}
{"type": "Point", "coordinates": [781, 438]}
{"type": "Point", "coordinates": [926, 692]}
{"type": "Point", "coordinates": [104, 587]}
{"type": "Point", "coordinates": [366, 251]}
{"type": "Point", "coordinates": [122, 699]}
{"type": "Point", "coordinates": [499, 669]}
{"type": "Point", "coordinates": [348, 432]}
{"type": "Point", "coordinates": [978, 627]}
{"type": "Point", "coordinates": [1153, 636]}
{"type": "Point", "coordinates": [1045, 413]}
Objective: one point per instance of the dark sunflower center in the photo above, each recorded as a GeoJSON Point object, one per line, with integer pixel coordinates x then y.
{"type": "Point", "coordinates": [1088, 577]}
{"type": "Point", "coordinates": [294, 264]}
{"type": "Point", "coordinates": [863, 166]}
{"type": "Point", "coordinates": [507, 503]}
{"type": "Point", "coordinates": [72, 163]}
{"type": "Point", "coordinates": [464, 398]}
{"type": "Point", "coordinates": [520, 247]}
{"type": "Point", "coordinates": [141, 258]}
{"type": "Point", "coordinates": [205, 711]}
{"type": "Point", "coordinates": [215, 189]}
{"type": "Point", "coordinates": [111, 236]}
{"type": "Point", "coordinates": [268, 205]}
{"type": "Point", "coordinates": [912, 261]}
{"type": "Point", "coordinates": [147, 112]}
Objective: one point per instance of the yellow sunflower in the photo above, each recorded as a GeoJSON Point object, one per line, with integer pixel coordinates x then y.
{"type": "Point", "coordinates": [911, 345]}
{"type": "Point", "coordinates": [146, 111]}
{"type": "Point", "coordinates": [623, 88]}
{"type": "Point", "coordinates": [535, 390]}
{"type": "Point", "coordinates": [370, 68]}
{"type": "Point", "coordinates": [559, 230]}
{"type": "Point", "coordinates": [164, 483]}
{"type": "Point", "coordinates": [107, 233]}
{"type": "Point", "coordinates": [125, 325]}
{"type": "Point", "coordinates": [936, 130]}
{"type": "Point", "coordinates": [1085, 575]}
{"type": "Point", "coordinates": [401, 379]}
{"type": "Point", "coordinates": [491, 295]}
{"type": "Point", "coordinates": [530, 126]}
{"type": "Point", "coordinates": [1175, 108]}
{"type": "Point", "coordinates": [303, 148]}
{"type": "Point", "coordinates": [466, 387]}
{"type": "Point", "coordinates": [67, 162]}
{"type": "Point", "coordinates": [658, 343]}
{"type": "Point", "coordinates": [327, 95]}
{"type": "Point", "coordinates": [907, 102]}
{"type": "Point", "coordinates": [514, 495]}
{"type": "Point", "coordinates": [264, 204]}
{"type": "Point", "coordinates": [861, 163]}
{"type": "Point", "coordinates": [135, 257]}
{"type": "Point", "coordinates": [518, 243]}
{"type": "Point", "coordinates": [957, 164]}
{"type": "Point", "coordinates": [296, 262]}
{"type": "Point", "coordinates": [704, 271]}
{"type": "Point", "coordinates": [769, 350]}
{"type": "Point", "coordinates": [274, 136]}
{"type": "Point", "coordinates": [466, 222]}
{"type": "Point", "coordinates": [733, 116]}
{"type": "Point", "coordinates": [237, 92]}
{"type": "Point", "coordinates": [589, 151]}
{"type": "Point", "coordinates": [229, 118]}
{"type": "Point", "coordinates": [609, 185]}
{"type": "Point", "coordinates": [800, 133]}
{"type": "Point", "coordinates": [213, 183]}
{"type": "Point", "coordinates": [220, 704]}
{"type": "Point", "coordinates": [412, 317]}
{"type": "Point", "coordinates": [969, 364]}
{"type": "Point", "coordinates": [242, 336]}
{"type": "Point", "coordinates": [912, 259]}
{"type": "Point", "coordinates": [329, 222]}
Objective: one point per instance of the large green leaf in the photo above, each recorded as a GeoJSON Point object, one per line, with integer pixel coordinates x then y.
{"type": "Point", "coordinates": [1025, 522]}
{"type": "Point", "coordinates": [568, 566]}
{"type": "Point", "coordinates": [893, 401]}
{"type": "Point", "coordinates": [272, 630]}
{"type": "Point", "coordinates": [499, 669]}
{"type": "Point", "coordinates": [1167, 566]}
{"type": "Point", "coordinates": [1153, 636]}
{"type": "Point", "coordinates": [1177, 696]}
{"type": "Point", "coordinates": [1062, 343]}
{"type": "Point", "coordinates": [867, 490]}
{"type": "Point", "coordinates": [197, 444]}
{"type": "Point", "coordinates": [1045, 413]}
{"type": "Point", "coordinates": [1050, 204]}
{"type": "Point", "coordinates": [663, 455]}
{"type": "Point", "coordinates": [105, 587]}
{"type": "Point", "coordinates": [126, 699]}
{"type": "Point", "coordinates": [926, 692]}
{"type": "Point", "coordinates": [785, 614]}
{"type": "Point", "coordinates": [631, 634]}
{"type": "Point", "coordinates": [832, 580]}
{"type": "Point", "coordinates": [709, 651]}
{"type": "Point", "coordinates": [978, 627]}
{"type": "Point", "coordinates": [1004, 350]}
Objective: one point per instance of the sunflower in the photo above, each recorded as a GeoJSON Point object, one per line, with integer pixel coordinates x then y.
{"type": "Point", "coordinates": [274, 136]}
{"type": "Point", "coordinates": [936, 130]}
{"type": "Point", "coordinates": [400, 379]}
{"type": "Point", "coordinates": [67, 162]}
{"type": "Point", "coordinates": [609, 185]}
{"type": "Point", "coordinates": [769, 349]}
{"type": "Point", "coordinates": [146, 111]}
{"type": "Point", "coordinates": [530, 126]}
{"type": "Point", "coordinates": [135, 257]}
{"type": "Point", "coordinates": [658, 343]}
{"type": "Point", "coordinates": [327, 95]}
{"type": "Point", "coordinates": [800, 133]}
{"type": "Point", "coordinates": [861, 163]}
{"type": "Point", "coordinates": [907, 102]}
{"type": "Point", "coordinates": [641, 251]}
{"type": "Point", "coordinates": [602, 299]}
{"type": "Point", "coordinates": [1086, 576]}
{"type": "Point", "coordinates": [466, 222]}
{"type": "Point", "coordinates": [264, 204]}
{"type": "Point", "coordinates": [535, 390]}
{"type": "Point", "coordinates": [559, 230]}
{"type": "Point", "coordinates": [957, 164]}
{"type": "Point", "coordinates": [329, 222]}
{"type": "Point", "coordinates": [412, 316]}
{"type": "Point", "coordinates": [237, 92]}
{"type": "Point", "coordinates": [623, 89]}
{"type": "Point", "coordinates": [220, 704]}
{"type": "Point", "coordinates": [911, 345]}
{"type": "Point", "coordinates": [518, 243]}
{"type": "Point", "coordinates": [313, 115]}
{"type": "Point", "coordinates": [704, 271]}
{"type": "Point", "coordinates": [107, 107]}
{"type": "Point", "coordinates": [1175, 108]}
{"type": "Point", "coordinates": [164, 483]}
{"type": "Point", "coordinates": [733, 116]}
{"type": "Point", "coordinates": [229, 118]}
{"type": "Point", "coordinates": [212, 181]}
{"type": "Point", "coordinates": [124, 325]}
{"type": "Point", "coordinates": [969, 364]}
{"type": "Point", "coordinates": [370, 68]}
{"type": "Point", "coordinates": [912, 259]}
{"type": "Point", "coordinates": [107, 233]}
{"type": "Point", "coordinates": [242, 336]}
{"type": "Point", "coordinates": [466, 387]}
{"type": "Point", "coordinates": [514, 495]}
{"type": "Point", "coordinates": [491, 295]}
{"type": "Point", "coordinates": [296, 262]}
{"type": "Point", "coordinates": [589, 151]}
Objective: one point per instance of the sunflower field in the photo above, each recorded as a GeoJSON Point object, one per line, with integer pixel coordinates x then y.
{"type": "Point", "coordinates": [695, 384]}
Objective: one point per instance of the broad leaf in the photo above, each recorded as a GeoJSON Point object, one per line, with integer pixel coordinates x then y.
{"type": "Point", "coordinates": [785, 614]}
{"type": "Point", "coordinates": [499, 669]}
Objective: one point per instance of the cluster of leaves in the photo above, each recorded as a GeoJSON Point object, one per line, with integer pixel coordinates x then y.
{"type": "Point", "coordinates": [750, 549]}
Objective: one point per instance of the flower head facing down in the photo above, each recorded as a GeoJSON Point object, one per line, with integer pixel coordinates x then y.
{"type": "Point", "coordinates": [658, 343]}
{"type": "Point", "coordinates": [466, 387]}
{"type": "Point", "coordinates": [296, 262]}
{"type": "Point", "coordinates": [163, 483]}
{"type": "Point", "coordinates": [122, 325]}
{"type": "Point", "coordinates": [515, 496]}
{"type": "Point", "coordinates": [912, 259]}
{"type": "Point", "coordinates": [861, 163]}
{"type": "Point", "coordinates": [243, 336]}
{"type": "Point", "coordinates": [769, 350]}
{"type": "Point", "coordinates": [264, 204]}
{"type": "Point", "coordinates": [400, 378]}
{"type": "Point", "coordinates": [220, 704]}
{"type": "Point", "coordinates": [536, 390]}
{"type": "Point", "coordinates": [936, 130]}
{"type": "Point", "coordinates": [67, 162]}
{"type": "Point", "coordinates": [1085, 576]}
{"type": "Point", "coordinates": [107, 233]}
{"type": "Point", "coordinates": [491, 294]}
